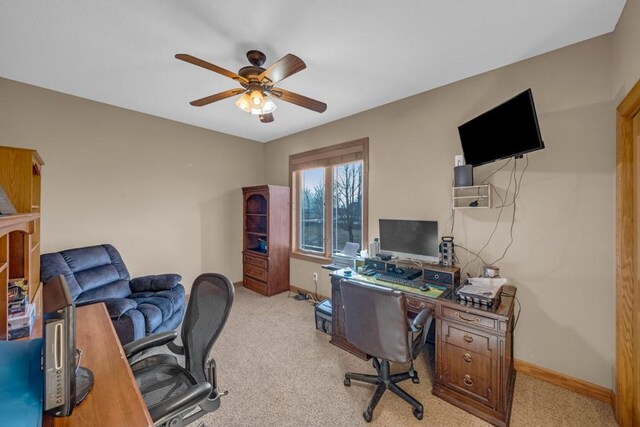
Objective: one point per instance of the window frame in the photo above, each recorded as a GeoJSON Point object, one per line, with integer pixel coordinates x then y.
{"type": "Point", "coordinates": [327, 158]}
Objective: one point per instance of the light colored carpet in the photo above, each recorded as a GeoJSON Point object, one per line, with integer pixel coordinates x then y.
{"type": "Point", "coordinates": [280, 371]}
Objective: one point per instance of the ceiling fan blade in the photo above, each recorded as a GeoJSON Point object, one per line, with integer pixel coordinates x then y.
{"type": "Point", "coordinates": [266, 118]}
{"type": "Point", "coordinates": [217, 97]}
{"type": "Point", "coordinates": [286, 66]}
{"type": "Point", "coordinates": [300, 100]}
{"type": "Point", "coordinates": [209, 66]}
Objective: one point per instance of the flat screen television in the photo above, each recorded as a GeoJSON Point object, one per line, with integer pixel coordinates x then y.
{"type": "Point", "coordinates": [508, 130]}
{"type": "Point", "coordinates": [409, 239]}
{"type": "Point", "coordinates": [66, 383]}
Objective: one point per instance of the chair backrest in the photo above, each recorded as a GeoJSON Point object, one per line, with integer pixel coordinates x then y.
{"type": "Point", "coordinates": [209, 306]}
{"type": "Point", "coordinates": [93, 273]}
{"type": "Point", "coordinates": [376, 320]}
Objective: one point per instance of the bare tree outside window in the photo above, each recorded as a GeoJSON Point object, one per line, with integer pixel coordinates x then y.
{"type": "Point", "coordinates": [312, 210]}
{"type": "Point", "coordinates": [347, 205]}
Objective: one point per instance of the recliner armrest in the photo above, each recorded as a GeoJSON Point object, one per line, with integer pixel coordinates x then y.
{"type": "Point", "coordinates": [118, 306]}
{"type": "Point", "coordinates": [155, 282]}
{"type": "Point", "coordinates": [166, 409]}
{"type": "Point", "coordinates": [154, 340]}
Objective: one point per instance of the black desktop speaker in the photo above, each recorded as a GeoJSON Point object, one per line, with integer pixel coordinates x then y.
{"type": "Point", "coordinates": [448, 276]}
{"type": "Point", "coordinates": [463, 176]}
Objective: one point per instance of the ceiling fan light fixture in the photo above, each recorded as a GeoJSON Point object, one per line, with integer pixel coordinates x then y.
{"type": "Point", "coordinates": [257, 99]}
{"type": "Point", "coordinates": [269, 106]}
{"type": "Point", "coordinates": [244, 103]}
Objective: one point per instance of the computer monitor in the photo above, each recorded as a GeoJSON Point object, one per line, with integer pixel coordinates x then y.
{"type": "Point", "coordinates": [409, 239]}
{"type": "Point", "coordinates": [65, 383]}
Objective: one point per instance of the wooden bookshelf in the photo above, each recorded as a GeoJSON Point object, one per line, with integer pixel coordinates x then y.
{"type": "Point", "coordinates": [20, 177]}
{"type": "Point", "coordinates": [266, 238]}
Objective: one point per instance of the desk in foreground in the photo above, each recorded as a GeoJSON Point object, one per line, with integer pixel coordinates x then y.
{"type": "Point", "coordinates": [474, 347]}
{"type": "Point", "coordinates": [114, 399]}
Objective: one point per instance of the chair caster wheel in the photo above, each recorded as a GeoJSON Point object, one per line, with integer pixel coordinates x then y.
{"type": "Point", "coordinates": [367, 415]}
{"type": "Point", "coordinates": [347, 382]}
{"type": "Point", "coordinates": [415, 379]}
{"type": "Point", "coordinates": [418, 413]}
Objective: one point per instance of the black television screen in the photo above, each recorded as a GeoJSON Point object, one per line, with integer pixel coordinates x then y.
{"type": "Point", "coordinates": [508, 130]}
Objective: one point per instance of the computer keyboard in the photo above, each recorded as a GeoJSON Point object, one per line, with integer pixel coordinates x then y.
{"type": "Point", "coordinates": [398, 280]}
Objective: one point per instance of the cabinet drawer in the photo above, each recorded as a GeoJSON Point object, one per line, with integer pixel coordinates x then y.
{"type": "Point", "coordinates": [254, 285]}
{"type": "Point", "coordinates": [255, 272]}
{"type": "Point", "coordinates": [468, 339]}
{"type": "Point", "coordinates": [474, 387]}
{"type": "Point", "coordinates": [467, 361]}
{"type": "Point", "coordinates": [471, 319]}
{"type": "Point", "coordinates": [258, 262]}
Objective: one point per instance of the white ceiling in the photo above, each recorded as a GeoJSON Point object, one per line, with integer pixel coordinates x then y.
{"type": "Point", "coordinates": [359, 53]}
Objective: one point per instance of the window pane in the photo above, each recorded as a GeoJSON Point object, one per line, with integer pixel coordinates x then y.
{"type": "Point", "coordinates": [312, 210]}
{"type": "Point", "coordinates": [347, 205]}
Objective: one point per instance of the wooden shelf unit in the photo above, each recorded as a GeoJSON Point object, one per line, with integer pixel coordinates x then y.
{"type": "Point", "coordinates": [266, 238]}
{"type": "Point", "coordinates": [465, 197]}
{"type": "Point", "coordinates": [20, 177]}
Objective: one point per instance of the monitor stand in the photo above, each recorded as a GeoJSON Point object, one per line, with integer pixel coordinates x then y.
{"type": "Point", "coordinates": [84, 382]}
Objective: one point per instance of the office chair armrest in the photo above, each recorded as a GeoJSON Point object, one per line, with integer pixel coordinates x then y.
{"type": "Point", "coordinates": [155, 340]}
{"type": "Point", "coordinates": [169, 408]}
{"type": "Point", "coordinates": [420, 320]}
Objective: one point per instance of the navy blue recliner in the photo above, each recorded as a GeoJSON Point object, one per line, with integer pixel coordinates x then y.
{"type": "Point", "coordinates": [138, 307]}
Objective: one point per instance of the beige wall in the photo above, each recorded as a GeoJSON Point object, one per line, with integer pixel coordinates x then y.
{"type": "Point", "coordinates": [626, 50]}
{"type": "Point", "coordinates": [562, 256]}
{"type": "Point", "coordinates": [167, 195]}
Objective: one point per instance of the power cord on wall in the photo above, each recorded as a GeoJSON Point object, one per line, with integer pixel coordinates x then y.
{"type": "Point", "coordinates": [513, 180]}
{"type": "Point", "coordinates": [301, 296]}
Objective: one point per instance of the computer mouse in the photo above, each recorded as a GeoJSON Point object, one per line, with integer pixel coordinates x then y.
{"type": "Point", "coordinates": [424, 287]}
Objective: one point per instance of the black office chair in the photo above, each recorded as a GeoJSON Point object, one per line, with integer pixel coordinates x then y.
{"type": "Point", "coordinates": [376, 322]}
{"type": "Point", "coordinates": [173, 392]}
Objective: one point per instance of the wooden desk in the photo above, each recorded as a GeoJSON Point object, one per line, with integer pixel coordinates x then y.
{"type": "Point", "coordinates": [114, 399]}
{"type": "Point", "coordinates": [474, 348]}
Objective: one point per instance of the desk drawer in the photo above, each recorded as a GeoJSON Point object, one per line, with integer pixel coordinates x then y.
{"type": "Point", "coordinates": [471, 319]}
{"type": "Point", "coordinates": [467, 361]}
{"type": "Point", "coordinates": [256, 272]}
{"type": "Point", "coordinates": [254, 285]}
{"type": "Point", "coordinates": [468, 339]}
{"type": "Point", "coordinates": [474, 387]}
{"type": "Point", "coordinates": [416, 304]}
{"type": "Point", "coordinates": [258, 262]}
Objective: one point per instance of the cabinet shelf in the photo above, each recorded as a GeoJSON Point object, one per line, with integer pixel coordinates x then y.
{"type": "Point", "coordinates": [472, 197]}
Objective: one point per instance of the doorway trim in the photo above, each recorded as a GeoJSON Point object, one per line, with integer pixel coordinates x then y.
{"type": "Point", "coordinates": [627, 292]}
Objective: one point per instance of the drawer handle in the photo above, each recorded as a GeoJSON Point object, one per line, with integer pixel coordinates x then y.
{"type": "Point", "coordinates": [467, 338]}
{"type": "Point", "coordinates": [467, 381]}
{"type": "Point", "coordinates": [421, 305]}
{"type": "Point", "coordinates": [467, 358]}
{"type": "Point", "coordinates": [459, 316]}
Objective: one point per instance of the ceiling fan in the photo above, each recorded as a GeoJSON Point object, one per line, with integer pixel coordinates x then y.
{"type": "Point", "coordinates": [258, 84]}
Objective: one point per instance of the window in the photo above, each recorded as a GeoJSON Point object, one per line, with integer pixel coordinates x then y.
{"type": "Point", "coordinates": [329, 199]}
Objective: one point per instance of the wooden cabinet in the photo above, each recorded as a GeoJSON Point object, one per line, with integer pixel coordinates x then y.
{"type": "Point", "coordinates": [20, 177]}
{"type": "Point", "coordinates": [474, 358]}
{"type": "Point", "coordinates": [266, 238]}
